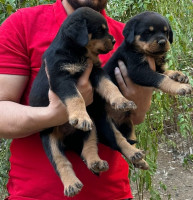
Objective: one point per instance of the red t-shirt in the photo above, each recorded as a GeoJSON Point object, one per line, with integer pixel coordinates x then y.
{"type": "Point", "coordinates": [24, 36]}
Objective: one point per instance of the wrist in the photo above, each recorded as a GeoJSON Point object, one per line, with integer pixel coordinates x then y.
{"type": "Point", "coordinates": [55, 116]}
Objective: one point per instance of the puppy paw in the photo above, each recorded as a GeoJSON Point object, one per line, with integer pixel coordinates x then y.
{"type": "Point", "coordinates": [98, 166]}
{"type": "Point", "coordinates": [178, 76]}
{"type": "Point", "coordinates": [137, 156]}
{"type": "Point", "coordinates": [141, 164]}
{"type": "Point", "coordinates": [184, 89]}
{"type": "Point", "coordinates": [82, 122]}
{"type": "Point", "coordinates": [122, 104]}
{"type": "Point", "coordinates": [72, 190]}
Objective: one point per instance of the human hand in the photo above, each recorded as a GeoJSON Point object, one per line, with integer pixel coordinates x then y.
{"type": "Point", "coordinates": [84, 85]}
{"type": "Point", "coordinates": [140, 95]}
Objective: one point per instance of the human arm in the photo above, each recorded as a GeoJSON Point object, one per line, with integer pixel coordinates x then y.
{"type": "Point", "coordinates": [18, 120]}
{"type": "Point", "coordinates": [140, 95]}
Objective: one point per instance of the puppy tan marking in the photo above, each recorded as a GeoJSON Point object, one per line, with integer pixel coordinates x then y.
{"type": "Point", "coordinates": [177, 76]}
{"type": "Point", "coordinates": [141, 164]}
{"type": "Point", "coordinates": [172, 87]}
{"type": "Point", "coordinates": [151, 47]}
{"type": "Point", "coordinates": [151, 28]}
{"type": "Point", "coordinates": [78, 116]}
{"type": "Point", "coordinates": [73, 68]}
{"type": "Point", "coordinates": [165, 28]}
{"type": "Point", "coordinates": [112, 95]}
{"type": "Point", "coordinates": [130, 152]}
{"type": "Point", "coordinates": [104, 26]}
{"type": "Point", "coordinates": [95, 47]}
{"type": "Point", "coordinates": [90, 154]}
{"type": "Point", "coordinates": [71, 183]}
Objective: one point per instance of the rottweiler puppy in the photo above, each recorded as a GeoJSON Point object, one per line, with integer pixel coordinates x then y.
{"type": "Point", "coordinates": [84, 34]}
{"type": "Point", "coordinates": [146, 34]}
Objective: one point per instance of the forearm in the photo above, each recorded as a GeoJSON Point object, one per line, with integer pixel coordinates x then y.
{"type": "Point", "coordinates": [18, 121]}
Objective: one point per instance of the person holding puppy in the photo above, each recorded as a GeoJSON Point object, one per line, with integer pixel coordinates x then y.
{"type": "Point", "coordinates": [24, 37]}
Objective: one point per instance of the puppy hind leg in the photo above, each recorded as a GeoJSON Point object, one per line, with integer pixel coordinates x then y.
{"type": "Point", "coordinates": [129, 151]}
{"type": "Point", "coordinates": [90, 154]}
{"type": "Point", "coordinates": [72, 185]}
{"type": "Point", "coordinates": [131, 138]}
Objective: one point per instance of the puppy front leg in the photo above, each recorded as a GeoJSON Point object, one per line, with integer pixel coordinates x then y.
{"type": "Point", "coordinates": [144, 76]}
{"type": "Point", "coordinates": [90, 154]}
{"type": "Point", "coordinates": [109, 91]}
{"type": "Point", "coordinates": [173, 87]}
{"type": "Point", "coordinates": [78, 116]}
{"type": "Point", "coordinates": [62, 166]}
{"type": "Point", "coordinates": [71, 97]}
{"type": "Point", "coordinates": [177, 76]}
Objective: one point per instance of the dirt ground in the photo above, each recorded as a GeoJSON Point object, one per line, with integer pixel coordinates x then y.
{"type": "Point", "coordinates": [174, 175]}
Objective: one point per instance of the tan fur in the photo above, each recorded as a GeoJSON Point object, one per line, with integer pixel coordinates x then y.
{"type": "Point", "coordinates": [127, 149]}
{"type": "Point", "coordinates": [90, 154]}
{"type": "Point", "coordinates": [151, 28]}
{"type": "Point", "coordinates": [172, 87]}
{"type": "Point", "coordinates": [104, 26]}
{"type": "Point", "coordinates": [108, 90]}
{"type": "Point", "coordinates": [116, 115]}
{"type": "Point", "coordinates": [77, 114]}
{"type": "Point", "coordinates": [149, 48]}
{"type": "Point", "coordinates": [112, 95]}
{"type": "Point", "coordinates": [73, 68]}
{"type": "Point", "coordinates": [171, 73]}
{"type": "Point", "coordinates": [63, 165]}
{"type": "Point", "coordinates": [95, 46]}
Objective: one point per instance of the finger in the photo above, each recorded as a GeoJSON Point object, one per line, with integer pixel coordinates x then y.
{"type": "Point", "coordinates": [151, 62]}
{"type": "Point", "coordinates": [85, 76]}
{"type": "Point", "coordinates": [120, 80]}
{"type": "Point", "coordinates": [123, 70]}
{"type": "Point", "coordinates": [47, 74]}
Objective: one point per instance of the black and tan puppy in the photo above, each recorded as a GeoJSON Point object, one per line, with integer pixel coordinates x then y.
{"type": "Point", "coordinates": [146, 34]}
{"type": "Point", "coordinates": [84, 34]}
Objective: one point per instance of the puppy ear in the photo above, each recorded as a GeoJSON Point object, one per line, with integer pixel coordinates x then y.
{"type": "Point", "coordinates": [129, 31]}
{"type": "Point", "coordinates": [170, 34]}
{"type": "Point", "coordinates": [78, 33]}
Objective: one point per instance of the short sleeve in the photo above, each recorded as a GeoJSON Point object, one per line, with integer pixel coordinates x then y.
{"type": "Point", "coordinates": [14, 57]}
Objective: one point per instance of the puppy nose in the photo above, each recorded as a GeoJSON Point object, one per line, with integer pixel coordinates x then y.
{"type": "Point", "coordinates": [162, 42]}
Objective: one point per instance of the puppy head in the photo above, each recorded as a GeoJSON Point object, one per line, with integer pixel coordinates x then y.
{"type": "Point", "coordinates": [88, 28]}
{"type": "Point", "coordinates": [150, 33]}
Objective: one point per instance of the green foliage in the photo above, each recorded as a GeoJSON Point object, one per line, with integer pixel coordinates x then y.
{"type": "Point", "coordinates": [168, 115]}
{"type": "Point", "coordinates": [4, 166]}
{"type": "Point", "coordinates": [7, 7]}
